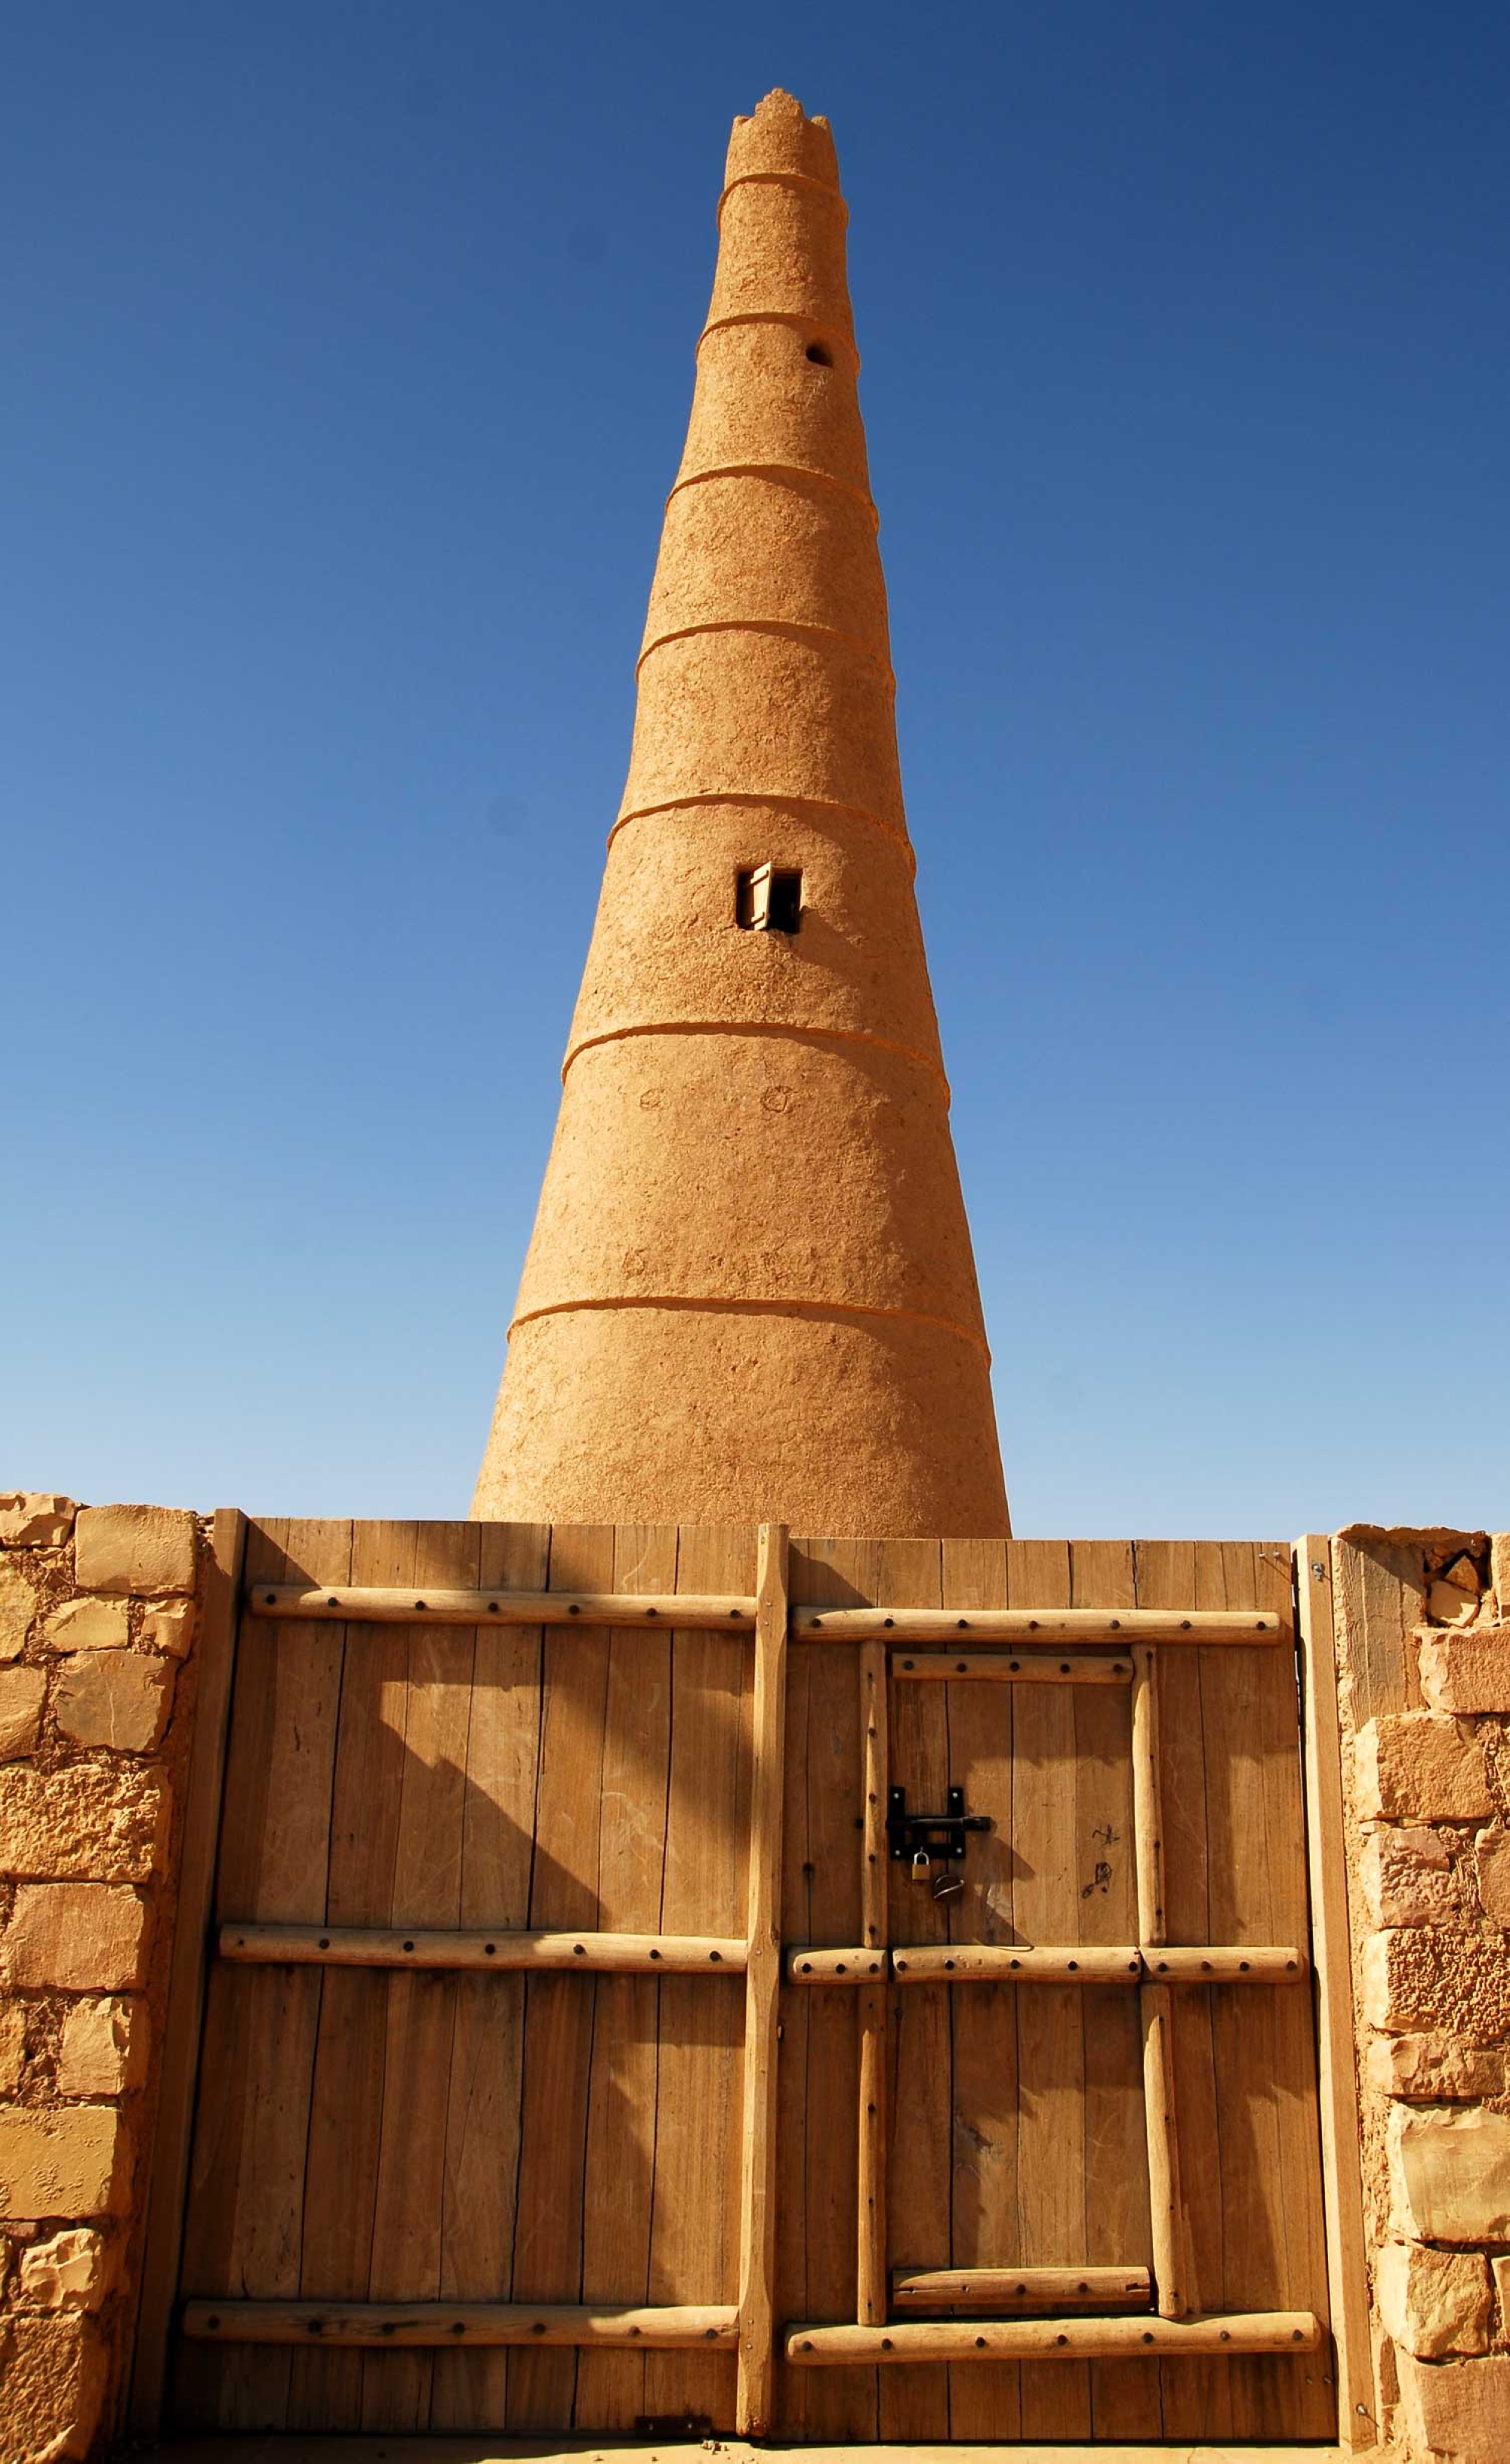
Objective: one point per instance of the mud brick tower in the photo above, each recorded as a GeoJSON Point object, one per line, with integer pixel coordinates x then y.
{"type": "Point", "coordinates": [750, 1290]}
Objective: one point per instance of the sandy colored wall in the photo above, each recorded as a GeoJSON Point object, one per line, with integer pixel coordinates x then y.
{"type": "Point", "coordinates": [1423, 1643]}
{"type": "Point", "coordinates": [98, 1613]}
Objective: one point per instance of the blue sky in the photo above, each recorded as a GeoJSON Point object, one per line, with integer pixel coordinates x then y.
{"type": "Point", "coordinates": [350, 351]}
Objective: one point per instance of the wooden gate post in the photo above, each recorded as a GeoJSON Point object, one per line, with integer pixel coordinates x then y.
{"type": "Point", "coordinates": [757, 2311]}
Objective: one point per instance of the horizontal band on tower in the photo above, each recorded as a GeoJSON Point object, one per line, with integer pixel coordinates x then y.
{"type": "Point", "coordinates": [727, 1307]}
{"type": "Point", "coordinates": [797, 627]}
{"type": "Point", "coordinates": [782, 179]}
{"type": "Point", "coordinates": [783, 1027]}
{"type": "Point", "coordinates": [799, 323]}
{"type": "Point", "coordinates": [770, 796]}
{"type": "Point", "coordinates": [777, 471]}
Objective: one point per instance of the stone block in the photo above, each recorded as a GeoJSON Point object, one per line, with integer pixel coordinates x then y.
{"type": "Point", "coordinates": [1407, 1878]}
{"type": "Point", "coordinates": [144, 1548]}
{"type": "Point", "coordinates": [115, 1698]}
{"type": "Point", "coordinates": [1492, 1866]}
{"type": "Point", "coordinates": [17, 1607]}
{"type": "Point", "coordinates": [12, 2046]}
{"type": "Point", "coordinates": [1434, 1979]}
{"type": "Point", "coordinates": [168, 1625]}
{"type": "Point", "coordinates": [1446, 1605]}
{"type": "Point", "coordinates": [88, 1625]}
{"type": "Point", "coordinates": [1467, 1672]}
{"type": "Point", "coordinates": [71, 2160]}
{"type": "Point", "coordinates": [1421, 1766]}
{"type": "Point", "coordinates": [102, 2049]}
{"type": "Point", "coordinates": [34, 1518]}
{"type": "Point", "coordinates": [81, 1936]}
{"type": "Point", "coordinates": [55, 2374]}
{"type": "Point", "coordinates": [1458, 2411]}
{"type": "Point", "coordinates": [1434, 2301]}
{"type": "Point", "coordinates": [1433, 2070]}
{"type": "Point", "coordinates": [22, 1694]}
{"type": "Point", "coordinates": [106, 1825]}
{"type": "Point", "coordinates": [1500, 2270]}
{"type": "Point", "coordinates": [74, 2271]}
{"type": "Point", "coordinates": [1450, 2173]}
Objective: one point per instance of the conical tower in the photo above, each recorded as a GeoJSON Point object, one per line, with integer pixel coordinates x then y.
{"type": "Point", "coordinates": [750, 1292]}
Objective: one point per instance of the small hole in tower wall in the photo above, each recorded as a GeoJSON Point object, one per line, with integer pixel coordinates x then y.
{"type": "Point", "coordinates": [820, 358]}
{"type": "Point", "coordinates": [768, 899]}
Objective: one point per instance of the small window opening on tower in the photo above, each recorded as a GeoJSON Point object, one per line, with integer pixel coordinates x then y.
{"type": "Point", "coordinates": [768, 899]}
{"type": "Point", "coordinates": [820, 358]}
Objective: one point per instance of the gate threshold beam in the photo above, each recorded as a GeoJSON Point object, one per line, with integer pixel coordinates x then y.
{"type": "Point", "coordinates": [479, 1947]}
{"type": "Point", "coordinates": [1056, 2339]}
{"type": "Point", "coordinates": [384, 2324]}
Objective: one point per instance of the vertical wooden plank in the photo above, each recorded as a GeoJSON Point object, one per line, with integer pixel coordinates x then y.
{"type": "Point", "coordinates": [1125, 2395]}
{"type": "Point", "coordinates": [1050, 2045]}
{"type": "Point", "coordinates": [1332, 1958]}
{"type": "Point", "coordinates": [470, 2390]}
{"type": "Point", "coordinates": [421, 2009]}
{"type": "Point", "coordinates": [913, 2402]}
{"type": "Point", "coordinates": [756, 2387]}
{"type": "Point", "coordinates": [346, 2107]}
{"type": "Point", "coordinates": [837, 2403]}
{"type": "Point", "coordinates": [695, 2236]}
{"type": "Point", "coordinates": [214, 1665]}
{"type": "Point", "coordinates": [985, 2397]}
{"type": "Point", "coordinates": [558, 2010]}
{"type": "Point", "coordinates": [619, 2183]}
{"type": "Point", "coordinates": [872, 2284]}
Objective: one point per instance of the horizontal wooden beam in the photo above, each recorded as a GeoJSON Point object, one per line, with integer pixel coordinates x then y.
{"type": "Point", "coordinates": [856, 1965]}
{"type": "Point", "coordinates": [1056, 2339]}
{"type": "Point", "coordinates": [1071, 1962]}
{"type": "Point", "coordinates": [434, 1604]}
{"type": "Point", "coordinates": [475, 1947]}
{"type": "Point", "coordinates": [1107, 1629]}
{"type": "Point", "coordinates": [967, 1963]}
{"type": "Point", "coordinates": [1014, 1668]}
{"type": "Point", "coordinates": [385, 2323]}
{"type": "Point", "coordinates": [1227, 1963]}
{"type": "Point", "coordinates": [1021, 2288]}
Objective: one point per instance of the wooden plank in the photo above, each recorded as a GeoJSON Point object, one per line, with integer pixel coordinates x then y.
{"type": "Point", "coordinates": [1074, 1964]}
{"type": "Point", "coordinates": [481, 1947]}
{"type": "Point", "coordinates": [920, 2096]}
{"type": "Point", "coordinates": [1327, 1856]}
{"type": "Point", "coordinates": [696, 2217]}
{"type": "Point", "coordinates": [1016, 1668]}
{"type": "Point", "coordinates": [559, 2010]}
{"type": "Point", "coordinates": [755, 2407]}
{"type": "Point", "coordinates": [466, 1604]}
{"type": "Point", "coordinates": [1021, 2288]}
{"type": "Point", "coordinates": [485, 2088]}
{"type": "Point", "coordinates": [871, 2273]}
{"type": "Point", "coordinates": [409, 2203]}
{"type": "Point", "coordinates": [1066, 2342]}
{"type": "Point", "coordinates": [346, 2105]}
{"type": "Point", "coordinates": [985, 2402]}
{"type": "Point", "coordinates": [830, 1571]}
{"type": "Point", "coordinates": [213, 1670]}
{"type": "Point", "coordinates": [1032, 1623]}
{"type": "Point", "coordinates": [1051, 2044]}
{"type": "Point", "coordinates": [618, 2182]}
{"type": "Point", "coordinates": [1218, 1963]}
{"type": "Point", "coordinates": [382, 2326]}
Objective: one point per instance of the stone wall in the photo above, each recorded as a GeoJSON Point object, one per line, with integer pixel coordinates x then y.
{"type": "Point", "coordinates": [1423, 1640]}
{"type": "Point", "coordinates": [98, 1608]}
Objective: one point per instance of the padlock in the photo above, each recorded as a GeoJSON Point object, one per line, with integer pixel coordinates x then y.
{"type": "Point", "coordinates": [921, 1862]}
{"type": "Point", "coordinates": [947, 1884]}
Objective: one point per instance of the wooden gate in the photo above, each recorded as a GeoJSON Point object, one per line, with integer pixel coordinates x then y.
{"type": "Point", "coordinates": [587, 2046]}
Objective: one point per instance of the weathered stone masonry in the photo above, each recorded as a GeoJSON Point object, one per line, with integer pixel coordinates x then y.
{"type": "Point", "coordinates": [1423, 1639]}
{"type": "Point", "coordinates": [98, 1608]}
